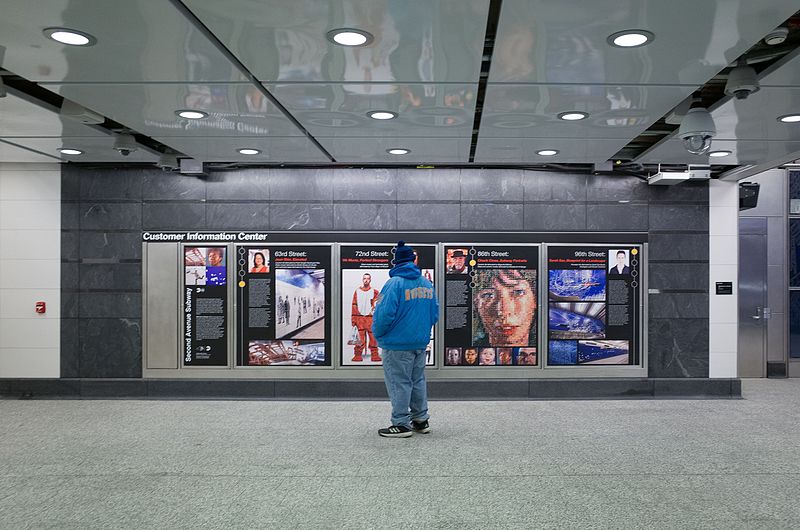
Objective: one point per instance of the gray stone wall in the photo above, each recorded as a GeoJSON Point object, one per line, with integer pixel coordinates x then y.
{"type": "Point", "coordinates": [105, 210]}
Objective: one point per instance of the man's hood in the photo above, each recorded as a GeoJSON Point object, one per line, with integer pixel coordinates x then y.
{"type": "Point", "coordinates": [405, 270]}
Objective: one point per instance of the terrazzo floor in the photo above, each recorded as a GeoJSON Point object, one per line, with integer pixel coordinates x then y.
{"type": "Point", "coordinates": [522, 464]}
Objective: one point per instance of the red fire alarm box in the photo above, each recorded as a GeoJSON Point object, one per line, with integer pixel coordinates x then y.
{"type": "Point", "coordinates": [41, 308]}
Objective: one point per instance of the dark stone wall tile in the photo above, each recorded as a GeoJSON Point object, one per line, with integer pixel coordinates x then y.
{"type": "Point", "coordinates": [70, 279]}
{"type": "Point", "coordinates": [429, 216]}
{"type": "Point", "coordinates": [541, 217]}
{"type": "Point", "coordinates": [616, 217]}
{"type": "Point", "coordinates": [428, 185]}
{"type": "Point", "coordinates": [111, 245]}
{"type": "Point", "coordinates": [119, 276]}
{"type": "Point", "coordinates": [108, 305]}
{"type": "Point", "coordinates": [690, 191]}
{"type": "Point", "coordinates": [110, 216]}
{"type": "Point", "coordinates": [110, 347]}
{"type": "Point", "coordinates": [159, 185]}
{"type": "Point", "coordinates": [174, 216]}
{"type": "Point", "coordinates": [552, 186]}
{"type": "Point", "coordinates": [616, 188]}
{"type": "Point", "coordinates": [678, 276]}
{"type": "Point", "coordinates": [364, 216]}
{"type": "Point", "coordinates": [69, 304]}
{"type": "Point", "coordinates": [300, 216]}
{"type": "Point", "coordinates": [70, 183]}
{"type": "Point", "coordinates": [364, 185]}
{"type": "Point", "coordinates": [664, 246]}
{"type": "Point", "coordinates": [107, 184]}
{"type": "Point", "coordinates": [678, 305]}
{"type": "Point", "coordinates": [679, 217]}
{"type": "Point", "coordinates": [70, 215]}
{"type": "Point", "coordinates": [237, 216]}
{"type": "Point", "coordinates": [69, 244]}
{"type": "Point", "coordinates": [70, 347]}
{"type": "Point", "coordinates": [301, 184]}
{"type": "Point", "coordinates": [491, 216]}
{"type": "Point", "coordinates": [498, 185]}
{"type": "Point", "coordinates": [677, 336]}
{"type": "Point", "coordinates": [239, 185]}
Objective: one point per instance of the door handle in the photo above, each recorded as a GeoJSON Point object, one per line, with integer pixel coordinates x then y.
{"type": "Point", "coordinates": [757, 316]}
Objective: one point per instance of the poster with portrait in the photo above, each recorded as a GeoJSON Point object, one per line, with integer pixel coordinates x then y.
{"type": "Point", "coordinates": [593, 305]}
{"type": "Point", "coordinates": [490, 305]}
{"type": "Point", "coordinates": [205, 306]}
{"type": "Point", "coordinates": [283, 294]}
{"type": "Point", "coordinates": [364, 271]}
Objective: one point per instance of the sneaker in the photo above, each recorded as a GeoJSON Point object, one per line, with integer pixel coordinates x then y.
{"type": "Point", "coordinates": [395, 431]}
{"type": "Point", "coordinates": [422, 427]}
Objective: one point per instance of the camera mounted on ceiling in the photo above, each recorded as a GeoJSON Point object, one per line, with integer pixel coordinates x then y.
{"type": "Point", "coordinates": [125, 143]}
{"type": "Point", "coordinates": [697, 129]}
{"type": "Point", "coordinates": [742, 81]}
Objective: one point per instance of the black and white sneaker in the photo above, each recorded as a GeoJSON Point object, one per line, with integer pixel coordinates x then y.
{"type": "Point", "coordinates": [422, 427]}
{"type": "Point", "coordinates": [395, 431]}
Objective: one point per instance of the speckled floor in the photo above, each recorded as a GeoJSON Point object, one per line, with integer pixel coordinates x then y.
{"type": "Point", "coordinates": [538, 464]}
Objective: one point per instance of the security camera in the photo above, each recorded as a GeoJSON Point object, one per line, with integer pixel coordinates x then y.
{"type": "Point", "coordinates": [125, 144]}
{"type": "Point", "coordinates": [742, 81]}
{"type": "Point", "coordinates": [697, 129]}
{"type": "Point", "coordinates": [168, 162]}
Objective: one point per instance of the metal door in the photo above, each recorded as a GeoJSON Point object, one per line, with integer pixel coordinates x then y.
{"type": "Point", "coordinates": [753, 313]}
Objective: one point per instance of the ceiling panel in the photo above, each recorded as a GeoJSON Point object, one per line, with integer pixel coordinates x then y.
{"type": "Point", "coordinates": [788, 74]}
{"type": "Point", "coordinates": [14, 153]}
{"type": "Point", "coordinates": [95, 149]}
{"type": "Point", "coordinates": [523, 150]}
{"type": "Point", "coordinates": [415, 40]}
{"type": "Point", "coordinates": [298, 149]}
{"type": "Point", "coordinates": [743, 152]}
{"type": "Point", "coordinates": [19, 117]}
{"type": "Point", "coordinates": [756, 117]}
{"type": "Point", "coordinates": [541, 41]}
{"type": "Point", "coordinates": [531, 111]}
{"type": "Point", "coordinates": [137, 40]}
{"type": "Point", "coordinates": [234, 109]}
{"type": "Point", "coordinates": [327, 110]}
{"type": "Point", "coordinates": [423, 150]}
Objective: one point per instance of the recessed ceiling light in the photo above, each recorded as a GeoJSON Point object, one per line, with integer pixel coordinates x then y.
{"type": "Point", "coordinates": [70, 36]}
{"type": "Point", "coordinates": [350, 37]}
{"type": "Point", "coordinates": [69, 151]}
{"type": "Point", "coordinates": [717, 154]}
{"type": "Point", "coordinates": [381, 115]}
{"type": "Point", "coordinates": [192, 114]}
{"type": "Point", "coordinates": [573, 115]}
{"type": "Point", "coordinates": [789, 118]}
{"type": "Point", "coordinates": [631, 38]}
{"type": "Point", "coordinates": [547, 152]}
{"type": "Point", "coordinates": [249, 151]}
{"type": "Point", "coordinates": [398, 151]}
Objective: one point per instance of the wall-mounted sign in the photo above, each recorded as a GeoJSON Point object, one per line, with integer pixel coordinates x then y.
{"type": "Point", "coordinates": [724, 287]}
{"type": "Point", "coordinates": [205, 306]}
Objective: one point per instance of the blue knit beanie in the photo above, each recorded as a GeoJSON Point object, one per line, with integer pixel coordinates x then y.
{"type": "Point", "coordinates": [402, 253]}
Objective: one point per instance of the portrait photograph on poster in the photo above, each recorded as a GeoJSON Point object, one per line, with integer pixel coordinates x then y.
{"type": "Point", "coordinates": [578, 285]}
{"type": "Point", "coordinates": [286, 352]}
{"type": "Point", "coordinates": [619, 262]}
{"type": "Point", "coordinates": [456, 260]}
{"type": "Point", "coordinates": [258, 260]}
{"type": "Point", "coordinates": [603, 352]}
{"type": "Point", "coordinates": [300, 303]}
{"type": "Point", "coordinates": [583, 320]}
{"type": "Point", "coordinates": [204, 266]}
{"type": "Point", "coordinates": [504, 308]}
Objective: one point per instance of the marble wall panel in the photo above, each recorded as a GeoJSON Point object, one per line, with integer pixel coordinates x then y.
{"type": "Point", "coordinates": [70, 215]}
{"type": "Point", "coordinates": [300, 216]}
{"type": "Point", "coordinates": [678, 276]}
{"type": "Point", "coordinates": [499, 185]}
{"type": "Point", "coordinates": [687, 192]}
{"type": "Point", "coordinates": [116, 276]}
{"type": "Point", "coordinates": [665, 217]}
{"type": "Point", "coordinates": [69, 245]}
{"type": "Point", "coordinates": [110, 347]}
{"type": "Point", "coordinates": [110, 245]}
{"type": "Point", "coordinates": [563, 217]}
{"type": "Point", "coordinates": [239, 185]}
{"type": "Point", "coordinates": [109, 184]}
{"type": "Point", "coordinates": [110, 216]}
{"type": "Point", "coordinates": [237, 216]}
{"type": "Point", "coordinates": [688, 247]}
{"type": "Point", "coordinates": [364, 216]}
{"type": "Point", "coordinates": [491, 216]}
{"type": "Point", "coordinates": [301, 184]}
{"type": "Point", "coordinates": [616, 217]}
{"type": "Point", "coordinates": [420, 185]}
{"type": "Point", "coordinates": [161, 186]}
{"type": "Point", "coordinates": [678, 305]}
{"type": "Point", "coordinates": [70, 347]}
{"type": "Point", "coordinates": [173, 216]}
{"type": "Point", "coordinates": [616, 188]}
{"type": "Point", "coordinates": [429, 216]}
{"type": "Point", "coordinates": [551, 186]}
{"type": "Point", "coordinates": [111, 305]}
{"type": "Point", "coordinates": [364, 184]}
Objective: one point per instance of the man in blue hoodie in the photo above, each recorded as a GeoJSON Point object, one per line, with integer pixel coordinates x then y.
{"type": "Point", "coordinates": [406, 310]}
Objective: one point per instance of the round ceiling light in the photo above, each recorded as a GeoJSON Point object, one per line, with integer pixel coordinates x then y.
{"type": "Point", "coordinates": [70, 151]}
{"type": "Point", "coordinates": [631, 38]}
{"type": "Point", "coordinates": [249, 151]}
{"type": "Point", "coordinates": [573, 115]}
{"type": "Point", "coordinates": [398, 151]}
{"type": "Point", "coordinates": [350, 37]}
{"type": "Point", "coordinates": [789, 118]}
{"type": "Point", "coordinates": [192, 114]}
{"type": "Point", "coordinates": [381, 115]}
{"type": "Point", "coordinates": [717, 154]}
{"type": "Point", "coordinates": [70, 37]}
{"type": "Point", "coordinates": [547, 152]}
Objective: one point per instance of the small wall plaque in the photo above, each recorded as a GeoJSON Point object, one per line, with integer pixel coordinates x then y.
{"type": "Point", "coordinates": [724, 287]}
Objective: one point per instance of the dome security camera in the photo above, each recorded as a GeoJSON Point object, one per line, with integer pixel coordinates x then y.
{"type": "Point", "coordinates": [125, 143]}
{"type": "Point", "coordinates": [696, 131]}
{"type": "Point", "coordinates": [742, 81]}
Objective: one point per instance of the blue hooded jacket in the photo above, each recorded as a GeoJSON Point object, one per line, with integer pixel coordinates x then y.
{"type": "Point", "coordinates": [406, 310]}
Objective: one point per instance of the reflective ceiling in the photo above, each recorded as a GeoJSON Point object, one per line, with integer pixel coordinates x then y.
{"type": "Point", "coordinates": [269, 79]}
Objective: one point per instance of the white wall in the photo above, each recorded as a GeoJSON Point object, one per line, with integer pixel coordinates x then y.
{"type": "Point", "coordinates": [30, 269]}
{"type": "Point", "coordinates": [723, 235]}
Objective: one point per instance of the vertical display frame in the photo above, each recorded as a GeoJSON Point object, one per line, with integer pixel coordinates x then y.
{"type": "Point", "coordinates": [640, 340]}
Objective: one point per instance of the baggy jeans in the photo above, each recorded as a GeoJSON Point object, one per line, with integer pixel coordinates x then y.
{"type": "Point", "coordinates": [404, 374]}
